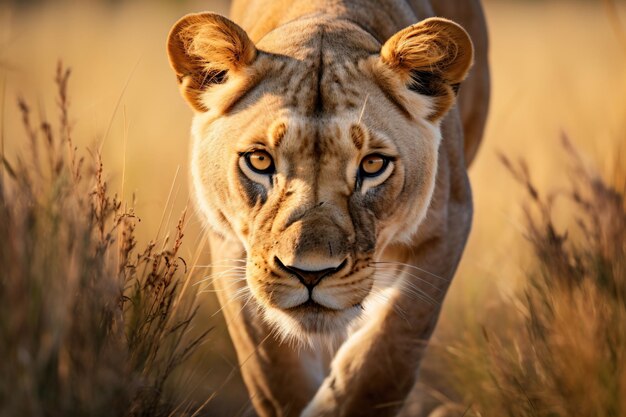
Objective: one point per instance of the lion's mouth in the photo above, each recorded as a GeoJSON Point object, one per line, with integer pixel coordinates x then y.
{"type": "Point", "coordinates": [310, 306]}
{"type": "Point", "coordinates": [311, 317]}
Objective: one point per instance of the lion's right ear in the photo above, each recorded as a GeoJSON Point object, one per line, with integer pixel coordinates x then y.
{"type": "Point", "coordinates": [204, 49]}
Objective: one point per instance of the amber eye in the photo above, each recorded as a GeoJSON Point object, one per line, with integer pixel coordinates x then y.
{"type": "Point", "coordinates": [260, 162]}
{"type": "Point", "coordinates": [373, 165]}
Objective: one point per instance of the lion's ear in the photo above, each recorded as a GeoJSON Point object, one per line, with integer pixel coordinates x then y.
{"type": "Point", "coordinates": [432, 57]}
{"type": "Point", "coordinates": [204, 49]}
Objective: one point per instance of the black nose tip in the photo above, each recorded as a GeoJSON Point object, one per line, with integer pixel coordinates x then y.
{"type": "Point", "coordinates": [309, 278]}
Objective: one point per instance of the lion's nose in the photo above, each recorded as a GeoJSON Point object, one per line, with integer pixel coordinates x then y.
{"type": "Point", "coordinates": [310, 278]}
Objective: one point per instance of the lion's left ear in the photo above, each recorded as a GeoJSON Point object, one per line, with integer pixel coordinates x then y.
{"type": "Point", "coordinates": [432, 58]}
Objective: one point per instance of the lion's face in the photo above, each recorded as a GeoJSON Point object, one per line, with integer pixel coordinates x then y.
{"type": "Point", "coordinates": [315, 153]}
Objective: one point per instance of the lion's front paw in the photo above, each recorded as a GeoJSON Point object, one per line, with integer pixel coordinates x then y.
{"type": "Point", "coordinates": [325, 403]}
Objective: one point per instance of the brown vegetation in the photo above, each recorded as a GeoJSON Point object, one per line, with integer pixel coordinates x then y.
{"type": "Point", "coordinates": [89, 323]}
{"type": "Point", "coordinates": [558, 346]}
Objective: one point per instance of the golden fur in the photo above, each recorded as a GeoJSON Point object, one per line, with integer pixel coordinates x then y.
{"type": "Point", "coordinates": [317, 251]}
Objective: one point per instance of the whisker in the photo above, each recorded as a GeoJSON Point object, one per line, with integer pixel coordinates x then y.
{"type": "Point", "coordinates": [240, 292]}
{"type": "Point", "coordinates": [416, 277]}
{"type": "Point", "coordinates": [419, 293]}
{"type": "Point", "coordinates": [412, 266]}
{"type": "Point", "coordinates": [230, 279]}
{"type": "Point", "coordinates": [220, 264]}
{"type": "Point", "coordinates": [410, 289]}
{"type": "Point", "coordinates": [238, 295]}
{"type": "Point", "coordinates": [379, 297]}
{"type": "Point", "coordinates": [244, 305]}
{"type": "Point", "coordinates": [228, 285]}
{"type": "Point", "coordinates": [216, 290]}
{"type": "Point", "coordinates": [226, 262]}
{"type": "Point", "coordinates": [234, 271]}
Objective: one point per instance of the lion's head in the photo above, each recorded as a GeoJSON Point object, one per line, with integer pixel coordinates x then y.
{"type": "Point", "coordinates": [315, 148]}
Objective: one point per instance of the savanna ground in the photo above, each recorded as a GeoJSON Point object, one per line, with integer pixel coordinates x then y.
{"type": "Point", "coordinates": [557, 68]}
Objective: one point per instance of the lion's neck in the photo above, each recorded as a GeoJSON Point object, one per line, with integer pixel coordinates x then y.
{"type": "Point", "coordinates": [259, 17]}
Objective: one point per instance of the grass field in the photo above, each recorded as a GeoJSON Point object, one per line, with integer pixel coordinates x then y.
{"type": "Point", "coordinates": [557, 67]}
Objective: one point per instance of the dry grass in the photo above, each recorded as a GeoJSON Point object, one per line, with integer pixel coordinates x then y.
{"type": "Point", "coordinates": [559, 346]}
{"type": "Point", "coordinates": [89, 323]}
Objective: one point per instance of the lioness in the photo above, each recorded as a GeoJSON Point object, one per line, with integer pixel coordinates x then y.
{"type": "Point", "coordinates": [329, 161]}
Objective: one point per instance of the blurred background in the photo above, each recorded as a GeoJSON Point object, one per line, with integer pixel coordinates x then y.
{"type": "Point", "coordinates": [557, 67]}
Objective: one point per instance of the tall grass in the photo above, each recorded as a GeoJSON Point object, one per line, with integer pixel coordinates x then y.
{"type": "Point", "coordinates": [558, 348]}
{"type": "Point", "coordinates": [90, 324]}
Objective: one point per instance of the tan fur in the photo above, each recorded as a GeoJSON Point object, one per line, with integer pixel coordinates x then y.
{"type": "Point", "coordinates": [318, 85]}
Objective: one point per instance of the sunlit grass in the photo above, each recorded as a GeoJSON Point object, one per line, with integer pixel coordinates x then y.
{"type": "Point", "coordinates": [90, 323]}
{"type": "Point", "coordinates": [557, 346]}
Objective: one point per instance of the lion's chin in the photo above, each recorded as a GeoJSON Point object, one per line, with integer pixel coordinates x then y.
{"type": "Point", "coordinates": [311, 322]}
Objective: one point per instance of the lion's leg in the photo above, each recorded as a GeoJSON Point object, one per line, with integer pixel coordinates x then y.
{"type": "Point", "coordinates": [375, 369]}
{"type": "Point", "coordinates": [280, 379]}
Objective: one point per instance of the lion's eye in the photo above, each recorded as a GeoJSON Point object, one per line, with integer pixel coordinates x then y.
{"type": "Point", "coordinates": [373, 165]}
{"type": "Point", "coordinates": [260, 162]}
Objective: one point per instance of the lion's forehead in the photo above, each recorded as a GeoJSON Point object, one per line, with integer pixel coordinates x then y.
{"type": "Point", "coordinates": [312, 87]}
{"type": "Point", "coordinates": [316, 136]}
{"type": "Point", "coordinates": [321, 71]}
